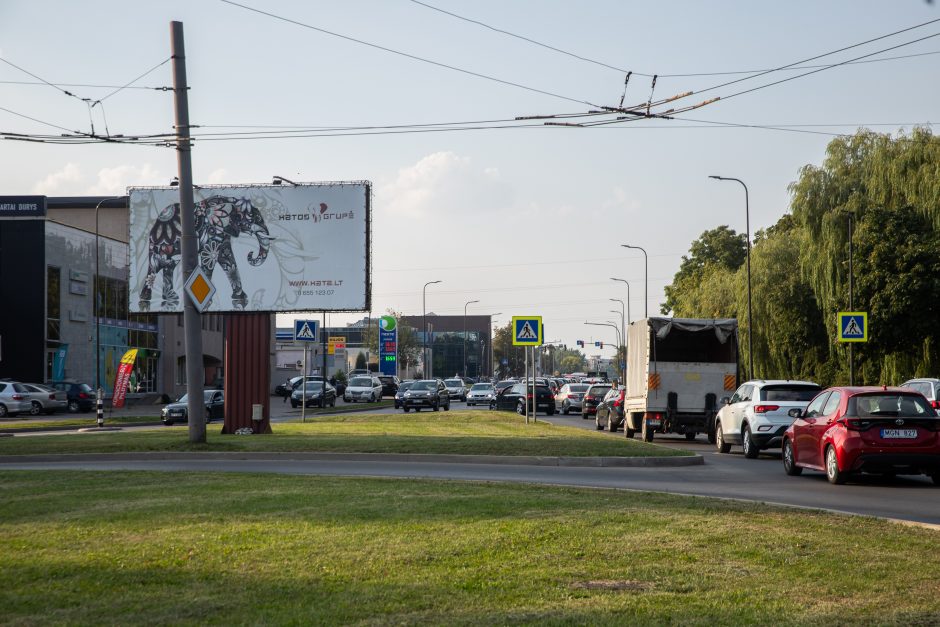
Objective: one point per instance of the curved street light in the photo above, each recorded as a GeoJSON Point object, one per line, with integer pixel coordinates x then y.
{"type": "Point", "coordinates": [646, 278]}
{"type": "Point", "coordinates": [606, 324]}
{"type": "Point", "coordinates": [628, 295]}
{"type": "Point", "coordinates": [424, 315]}
{"type": "Point", "coordinates": [747, 231]}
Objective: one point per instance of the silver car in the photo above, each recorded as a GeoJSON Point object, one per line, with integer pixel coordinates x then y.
{"type": "Point", "coordinates": [481, 394]}
{"type": "Point", "coordinates": [570, 396]}
{"type": "Point", "coordinates": [14, 399]}
{"type": "Point", "coordinates": [44, 399]}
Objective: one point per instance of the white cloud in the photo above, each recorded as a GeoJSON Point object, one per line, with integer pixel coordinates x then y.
{"type": "Point", "coordinates": [114, 181]}
{"type": "Point", "coordinates": [444, 183]}
{"type": "Point", "coordinates": [217, 177]}
{"type": "Point", "coordinates": [62, 182]}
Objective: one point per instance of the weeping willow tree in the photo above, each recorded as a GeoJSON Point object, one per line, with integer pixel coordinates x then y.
{"type": "Point", "coordinates": [891, 188]}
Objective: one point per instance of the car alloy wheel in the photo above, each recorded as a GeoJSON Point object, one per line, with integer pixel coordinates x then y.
{"type": "Point", "coordinates": [73, 407]}
{"type": "Point", "coordinates": [789, 460]}
{"type": "Point", "coordinates": [750, 449]}
{"type": "Point", "coordinates": [35, 409]}
{"type": "Point", "coordinates": [720, 444]}
{"type": "Point", "coordinates": [833, 474]}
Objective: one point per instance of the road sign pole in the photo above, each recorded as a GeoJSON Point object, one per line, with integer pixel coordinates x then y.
{"type": "Point", "coordinates": [535, 406]}
{"type": "Point", "coordinates": [525, 351]}
{"type": "Point", "coordinates": [303, 388]}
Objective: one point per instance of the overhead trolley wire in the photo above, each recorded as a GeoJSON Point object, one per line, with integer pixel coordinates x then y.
{"type": "Point", "coordinates": [406, 54]}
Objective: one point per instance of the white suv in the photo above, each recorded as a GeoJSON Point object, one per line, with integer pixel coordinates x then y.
{"type": "Point", "coordinates": [758, 414]}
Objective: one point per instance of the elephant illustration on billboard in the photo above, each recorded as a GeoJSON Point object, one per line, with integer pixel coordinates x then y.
{"type": "Point", "coordinates": [218, 219]}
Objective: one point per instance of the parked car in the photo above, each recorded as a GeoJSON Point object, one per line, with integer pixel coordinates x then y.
{"type": "Point", "coordinates": [426, 393]}
{"type": "Point", "coordinates": [178, 411]}
{"type": "Point", "coordinates": [849, 430]}
{"type": "Point", "coordinates": [758, 413]}
{"type": "Point", "coordinates": [287, 388]}
{"type": "Point", "coordinates": [43, 399]}
{"type": "Point", "coordinates": [481, 394]}
{"type": "Point", "coordinates": [14, 399]}
{"type": "Point", "coordinates": [609, 412]}
{"type": "Point", "coordinates": [516, 398]}
{"type": "Point", "coordinates": [458, 391]}
{"type": "Point", "coordinates": [592, 398]}
{"type": "Point", "coordinates": [569, 397]}
{"type": "Point", "coordinates": [930, 388]}
{"type": "Point", "coordinates": [389, 384]}
{"type": "Point", "coordinates": [361, 388]}
{"type": "Point", "coordinates": [403, 387]}
{"type": "Point", "coordinates": [80, 396]}
{"type": "Point", "coordinates": [315, 393]}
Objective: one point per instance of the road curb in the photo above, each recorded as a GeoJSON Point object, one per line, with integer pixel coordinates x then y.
{"type": "Point", "coordinates": [512, 460]}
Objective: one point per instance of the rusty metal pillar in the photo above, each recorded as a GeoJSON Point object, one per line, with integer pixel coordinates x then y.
{"type": "Point", "coordinates": [247, 371]}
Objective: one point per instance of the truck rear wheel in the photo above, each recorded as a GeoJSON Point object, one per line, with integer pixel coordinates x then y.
{"type": "Point", "coordinates": [629, 432]}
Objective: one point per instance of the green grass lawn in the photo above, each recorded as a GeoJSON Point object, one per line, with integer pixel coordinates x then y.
{"type": "Point", "coordinates": [87, 420]}
{"type": "Point", "coordinates": [173, 548]}
{"type": "Point", "coordinates": [453, 432]}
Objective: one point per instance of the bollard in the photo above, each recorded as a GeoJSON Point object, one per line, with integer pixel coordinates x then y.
{"type": "Point", "coordinates": [99, 403]}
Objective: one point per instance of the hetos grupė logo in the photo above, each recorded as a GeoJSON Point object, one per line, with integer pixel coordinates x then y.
{"type": "Point", "coordinates": [387, 323]}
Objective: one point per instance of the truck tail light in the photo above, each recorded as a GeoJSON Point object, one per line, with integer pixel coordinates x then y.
{"type": "Point", "coordinates": [763, 409]}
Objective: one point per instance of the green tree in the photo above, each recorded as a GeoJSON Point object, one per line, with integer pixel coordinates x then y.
{"type": "Point", "coordinates": [503, 349]}
{"type": "Point", "coordinates": [718, 248]}
{"type": "Point", "coordinates": [361, 361]}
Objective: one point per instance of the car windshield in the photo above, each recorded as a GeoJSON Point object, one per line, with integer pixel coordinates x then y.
{"type": "Point", "coordinates": [453, 383]}
{"type": "Point", "coordinates": [183, 399]}
{"type": "Point", "coordinates": [578, 387]}
{"type": "Point", "coordinates": [889, 404]}
{"type": "Point", "coordinates": [798, 393]}
{"type": "Point", "coordinates": [360, 382]}
{"type": "Point", "coordinates": [404, 387]}
{"type": "Point", "coordinates": [313, 386]}
{"type": "Point", "coordinates": [84, 387]}
{"type": "Point", "coordinates": [424, 385]}
{"type": "Point", "coordinates": [481, 386]}
{"type": "Point", "coordinates": [207, 394]}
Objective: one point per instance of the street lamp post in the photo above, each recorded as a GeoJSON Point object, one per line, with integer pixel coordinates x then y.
{"type": "Point", "coordinates": [492, 344]}
{"type": "Point", "coordinates": [623, 338]}
{"type": "Point", "coordinates": [646, 279]}
{"type": "Point", "coordinates": [747, 231]}
{"type": "Point", "coordinates": [99, 391]}
{"type": "Point", "coordinates": [628, 296]}
{"type": "Point", "coordinates": [424, 315]}
{"type": "Point", "coordinates": [469, 302]}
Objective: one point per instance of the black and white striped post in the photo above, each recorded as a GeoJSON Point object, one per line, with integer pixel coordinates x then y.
{"type": "Point", "coordinates": [99, 406]}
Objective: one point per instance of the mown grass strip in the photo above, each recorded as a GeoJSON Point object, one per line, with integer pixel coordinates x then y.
{"type": "Point", "coordinates": [135, 547]}
{"type": "Point", "coordinates": [72, 423]}
{"type": "Point", "coordinates": [453, 433]}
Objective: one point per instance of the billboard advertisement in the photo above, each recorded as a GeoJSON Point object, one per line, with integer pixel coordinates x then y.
{"type": "Point", "coordinates": [275, 248]}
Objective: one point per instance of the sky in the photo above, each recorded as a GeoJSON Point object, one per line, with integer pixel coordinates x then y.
{"type": "Point", "coordinates": [526, 220]}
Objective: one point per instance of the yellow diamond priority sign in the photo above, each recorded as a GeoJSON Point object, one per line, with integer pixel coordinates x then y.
{"type": "Point", "coordinates": [200, 289]}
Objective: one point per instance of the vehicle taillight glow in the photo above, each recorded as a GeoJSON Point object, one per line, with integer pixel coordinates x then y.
{"type": "Point", "coordinates": [935, 404]}
{"type": "Point", "coordinates": [83, 395]}
{"type": "Point", "coordinates": [763, 409]}
{"type": "Point", "coordinates": [52, 397]}
{"type": "Point", "coordinates": [854, 424]}
{"type": "Point", "coordinates": [17, 397]}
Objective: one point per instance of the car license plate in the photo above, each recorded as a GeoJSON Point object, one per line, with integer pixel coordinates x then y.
{"type": "Point", "coordinates": [653, 423]}
{"type": "Point", "coordinates": [889, 434]}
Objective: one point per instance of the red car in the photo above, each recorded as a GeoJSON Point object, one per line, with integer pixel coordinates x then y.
{"type": "Point", "coordinates": [846, 430]}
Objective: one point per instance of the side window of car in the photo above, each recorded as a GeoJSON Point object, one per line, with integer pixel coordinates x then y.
{"type": "Point", "coordinates": [736, 397]}
{"type": "Point", "coordinates": [832, 404]}
{"type": "Point", "coordinates": [815, 407]}
{"type": "Point", "coordinates": [743, 394]}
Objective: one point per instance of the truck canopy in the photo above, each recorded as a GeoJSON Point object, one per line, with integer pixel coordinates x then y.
{"type": "Point", "coordinates": [723, 327]}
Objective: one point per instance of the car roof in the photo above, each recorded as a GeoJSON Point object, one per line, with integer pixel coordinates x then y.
{"type": "Point", "coordinates": [922, 380]}
{"type": "Point", "coordinates": [868, 389]}
{"type": "Point", "coordinates": [762, 382]}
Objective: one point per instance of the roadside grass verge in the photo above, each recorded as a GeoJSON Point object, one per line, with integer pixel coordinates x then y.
{"type": "Point", "coordinates": [453, 432]}
{"type": "Point", "coordinates": [81, 547]}
{"type": "Point", "coordinates": [76, 422]}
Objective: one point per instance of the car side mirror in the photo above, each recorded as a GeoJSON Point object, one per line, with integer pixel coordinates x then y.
{"type": "Point", "coordinates": [796, 412]}
{"type": "Point", "coordinates": [725, 400]}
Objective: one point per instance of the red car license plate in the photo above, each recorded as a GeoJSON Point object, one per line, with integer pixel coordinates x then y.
{"type": "Point", "coordinates": [889, 434]}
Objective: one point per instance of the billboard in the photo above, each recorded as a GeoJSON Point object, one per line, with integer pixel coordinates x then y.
{"type": "Point", "coordinates": [272, 248]}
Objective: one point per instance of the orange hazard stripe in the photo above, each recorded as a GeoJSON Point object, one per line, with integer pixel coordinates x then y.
{"type": "Point", "coordinates": [654, 381]}
{"type": "Point", "coordinates": [730, 381]}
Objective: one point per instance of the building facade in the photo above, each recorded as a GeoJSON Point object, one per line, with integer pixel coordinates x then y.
{"type": "Point", "coordinates": [63, 283]}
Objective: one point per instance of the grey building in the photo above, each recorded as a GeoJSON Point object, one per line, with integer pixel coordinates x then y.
{"type": "Point", "coordinates": [53, 284]}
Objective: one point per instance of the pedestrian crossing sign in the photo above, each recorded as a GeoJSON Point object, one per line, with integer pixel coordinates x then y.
{"type": "Point", "coordinates": [527, 330]}
{"type": "Point", "coordinates": [306, 330]}
{"type": "Point", "coordinates": [853, 326]}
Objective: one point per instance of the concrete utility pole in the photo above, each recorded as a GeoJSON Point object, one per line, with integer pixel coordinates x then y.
{"type": "Point", "coordinates": [192, 324]}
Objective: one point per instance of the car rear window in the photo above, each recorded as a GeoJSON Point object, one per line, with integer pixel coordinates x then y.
{"type": "Point", "coordinates": [453, 383]}
{"type": "Point", "coordinates": [599, 390]}
{"type": "Point", "coordinates": [578, 388]}
{"type": "Point", "coordinates": [889, 404]}
{"type": "Point", "coordinates": [787, 392]}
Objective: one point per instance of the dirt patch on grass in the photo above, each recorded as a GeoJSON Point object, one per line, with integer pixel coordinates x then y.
{"type": "Point", "coordinates": [610, 584]}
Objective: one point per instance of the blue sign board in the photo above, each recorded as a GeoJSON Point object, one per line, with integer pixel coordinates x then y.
{"type": "Point", "coordinates": [306, 331]}
{"type": "Point", "coordinates": [22, 206]}
{"type": "Point", "coordinates": [853, 326]}
{"type": "Point", "coordinates": [388, 346]}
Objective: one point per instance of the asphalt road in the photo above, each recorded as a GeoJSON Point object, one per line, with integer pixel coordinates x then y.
{"type": "Point", "coordinates": [725, 476]}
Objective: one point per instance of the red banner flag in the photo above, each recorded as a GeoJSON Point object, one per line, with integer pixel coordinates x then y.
{"type": "Point", "coordinates": [123, 376]}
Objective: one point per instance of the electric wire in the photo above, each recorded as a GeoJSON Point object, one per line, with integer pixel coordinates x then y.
{"type": "Point", "coordinates": [406, 55]}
